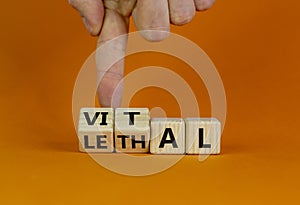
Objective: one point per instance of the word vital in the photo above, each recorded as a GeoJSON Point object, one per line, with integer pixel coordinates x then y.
{"type": "Point", "coordinates": [130, 130]}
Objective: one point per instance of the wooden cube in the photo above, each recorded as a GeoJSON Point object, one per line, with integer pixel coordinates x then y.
{"type": "Point", "coordinates": [132, 130]}
{"type": "Point", "coordinates": [132, 115]}
{"type": "Point", "coordinates": [167, 136]}
{"type": "Point", "coordinates": [203, 135]}
{"type": "Point", "coordinates": [95, 130]}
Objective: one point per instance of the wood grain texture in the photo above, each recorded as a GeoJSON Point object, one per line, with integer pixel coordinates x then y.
{"type": "Point", "coordinates": [140, 114]}
{"type": "Point", "coordinates": [167, 136]}
{"type": "Point", "coordinates": [132, 132]}
{"type": "Point", "coordinates": [95, 130]}
{"type": "Point", "coordinates": [203, 136]}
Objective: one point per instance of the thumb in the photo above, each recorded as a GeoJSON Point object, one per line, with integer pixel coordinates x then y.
{"type": "Point", "coordinates": [110, 75]}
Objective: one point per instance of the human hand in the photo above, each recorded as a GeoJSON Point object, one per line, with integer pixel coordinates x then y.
{"type": "Point", "coordinates": [110, 19]}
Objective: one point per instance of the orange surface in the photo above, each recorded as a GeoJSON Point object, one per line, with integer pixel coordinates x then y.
{"type": "Point", "coordinates": [255, 46]}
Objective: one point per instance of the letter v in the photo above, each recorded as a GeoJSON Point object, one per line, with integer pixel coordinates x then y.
{"type": "Point", "coordinates": [88, 119]}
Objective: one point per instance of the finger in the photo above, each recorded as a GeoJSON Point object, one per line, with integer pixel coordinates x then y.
{"type": "Point", "coordinates": [181, 11]}
{"type": "Point", "coordinates": [92, 12]}
{"type": "Point", "coordinates": [126, 7]}
{"type": "Point", "coordinates": [202, 5]}
{"type": "Point", "coordinates": [110, 88]}
{"type": "Point", "coordinates": [152, 15]}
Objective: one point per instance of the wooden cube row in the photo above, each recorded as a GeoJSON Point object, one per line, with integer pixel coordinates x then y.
{"type": "Point", "coordinates": [130, 130]}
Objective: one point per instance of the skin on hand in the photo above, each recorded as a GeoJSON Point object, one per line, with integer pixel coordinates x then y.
{"type": "Point", "coordinates": [109, 19]}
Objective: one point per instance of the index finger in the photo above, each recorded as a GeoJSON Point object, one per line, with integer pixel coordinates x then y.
{"type": "Point", "coordinates": [110, 89]}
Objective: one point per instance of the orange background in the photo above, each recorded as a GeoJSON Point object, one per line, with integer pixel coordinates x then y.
{"type": "Point", "coordinates": [255, 46]}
